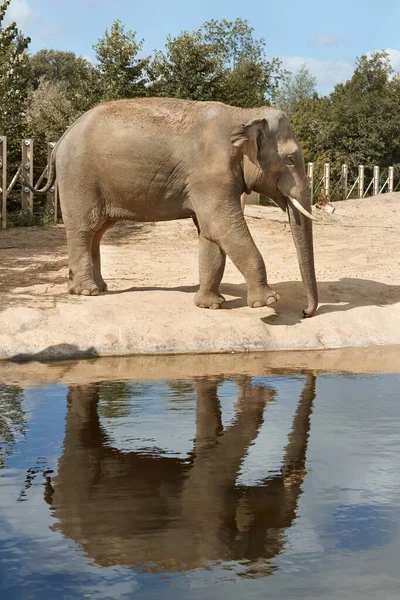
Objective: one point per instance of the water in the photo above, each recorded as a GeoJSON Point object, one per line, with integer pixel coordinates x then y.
{"type": "Point", "coordinates": [275, 486]}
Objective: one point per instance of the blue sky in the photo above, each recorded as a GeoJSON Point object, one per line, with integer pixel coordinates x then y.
{"type": "Point", "coordinates": [327, 36]}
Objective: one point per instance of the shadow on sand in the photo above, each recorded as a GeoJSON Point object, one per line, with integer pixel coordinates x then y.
{"type": "Point", "coordinates": [335, 296]}
{"type": "Point", "coordinates": [57, 352]}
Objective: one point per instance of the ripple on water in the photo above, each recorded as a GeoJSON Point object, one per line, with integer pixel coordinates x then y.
{"type": "Point", "coordinates": [166, 488]}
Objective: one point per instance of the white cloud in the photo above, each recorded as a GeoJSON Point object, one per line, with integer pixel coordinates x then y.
{"type": "Point", "coordinates": [28, 20]}
{"type": "Point", "coordinates": [330, 72]}
{"type": "Point", "coordinates": [327, 72]}
{"type": "Point", "coordinates": [19, 11]}
{"type": "Point", "coordinates": [395, 58]}
{"type": "Point", "coordinates": [328, 40]}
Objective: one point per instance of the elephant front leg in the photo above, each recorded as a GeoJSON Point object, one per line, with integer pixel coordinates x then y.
{"type": "Point", "coordinates": [228, 229]}
{"type": "Point", "coordinates": [211, 270]}
{"type": "Point", "coordinates": [81, 280]}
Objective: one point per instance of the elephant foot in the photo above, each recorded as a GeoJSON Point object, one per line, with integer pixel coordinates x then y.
{"type": "Point", "coordinates": [208, 300]}
{"type": "Point", "coordinates": [84, 288]}
{"type": "Point", "coordinates": [262, 297]}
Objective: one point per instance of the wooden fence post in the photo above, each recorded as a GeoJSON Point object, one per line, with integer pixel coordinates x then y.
{"type": "Point", "coordinates": [3, 180]}
{"type": "Point", "coordinates": [52, 196]}
{"type": "Point", "coordinates": [390, 179]}
{"type": "Point", "coordinates": [27, 174]}
{"type": "Point", "coordinates": [343, 181]}
{"type": "Point", "coordinates": [327, 177]}
{"type": "Point", "coordinates": [375, 190]}
{"type": "Point", "coordinates": [360, 181]}
{"type": "Point", "coordinates": [310, 175]}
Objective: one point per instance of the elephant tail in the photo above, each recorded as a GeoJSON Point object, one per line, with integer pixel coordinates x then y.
{"type": "Point", "coordinates": [51, 176]}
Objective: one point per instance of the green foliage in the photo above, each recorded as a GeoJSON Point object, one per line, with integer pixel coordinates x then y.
{"type": "Point", "coordinates": [57, 66]}
{"type": "Point", "coordinates": [23, 218]}
{"type": "Point", "coordinates": [220, 61]}
{"type": "Point", "coordinates": [364, 123]}
{"type": "Point", "coordinates": [50, 111]}
{"type": "Point", "coordinates": [250, 84]}
{"type": "Point", "coordinates": [358, 123]}
{"type": "Point", "coordinates": [249, 78]}
{"type": "Point", "coordinates": [121, 71]}
{"type": "Point", "coordinates": [14, 81]}
{"type": "Point", "coordinates": [234, 41]}
{"type": "Point", "coordinates": [189, 69]}
{"type": "Point", "coordinates": [76, 75]}
{"type": "Point", "coordinates": [294, 88]}
{"type": "Point", "coordinates": [309, 119]}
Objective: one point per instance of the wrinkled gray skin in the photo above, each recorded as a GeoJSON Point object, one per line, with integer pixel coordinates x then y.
{"type": "Point", "coordinates": [160, 159]}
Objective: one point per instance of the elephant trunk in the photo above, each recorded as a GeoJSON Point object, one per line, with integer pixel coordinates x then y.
{"type": "Point", "coordinates": [301, 227]}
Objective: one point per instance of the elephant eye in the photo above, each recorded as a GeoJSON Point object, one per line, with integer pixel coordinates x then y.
{"type": "Point", "coordinates": [289, 160]}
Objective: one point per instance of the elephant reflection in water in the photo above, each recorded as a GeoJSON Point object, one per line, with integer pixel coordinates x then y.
{"type": "Point", "coordinates": [157, 512]}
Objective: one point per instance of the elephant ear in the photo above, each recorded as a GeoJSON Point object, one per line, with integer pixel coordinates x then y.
{"type": "Point", "coordinates": [249, 138]}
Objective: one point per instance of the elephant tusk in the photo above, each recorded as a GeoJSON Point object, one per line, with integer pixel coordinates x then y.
{"type": "Point", "coordinates": [299, 207]}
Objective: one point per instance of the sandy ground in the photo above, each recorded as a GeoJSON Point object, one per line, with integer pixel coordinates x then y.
{"type": "Point", "coordinates": [151, 271]}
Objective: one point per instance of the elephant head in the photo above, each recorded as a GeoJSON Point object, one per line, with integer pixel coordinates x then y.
{"type": "Point", "coordinates": [273, 165]}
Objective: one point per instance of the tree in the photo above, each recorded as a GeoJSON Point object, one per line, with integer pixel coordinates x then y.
{"type": "Point", "coordinates": [14, 79]}
{"type": "Point", "coordinates": [57, 66]}
{"type": "Point", "coordinates": [189, 69]}
{"type": "Point", "coordinates": [220, 61]}
{"type": "Point", "coordinates": [249, 77]}
{"type": "Point", "coordinates": [122, 74]}
{"type": "Point", "coordinates": [79, 78]}
{"type": "Point", "coordinates": [358, 123]}
{"type": "Point", "coordinates": [364, 123]}
{"type": "Point", "coordinates": [294, 88]}
{"type": "Point", "coordinates": [234, 41]}
{"type": "Point", "coordinates": [309, 119]}
{"type": "Point", "coordinates": [50, 111]}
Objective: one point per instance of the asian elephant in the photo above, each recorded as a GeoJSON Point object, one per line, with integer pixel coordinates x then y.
{"type": "Point", "coordinates": [160, 159]}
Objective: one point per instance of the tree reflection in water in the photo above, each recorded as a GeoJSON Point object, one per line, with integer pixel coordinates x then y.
{"type": "Point", "coordinates": [12, 419]}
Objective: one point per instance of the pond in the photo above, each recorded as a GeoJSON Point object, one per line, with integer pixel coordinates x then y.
{"type": "Point", "coordinates": [278, 485]}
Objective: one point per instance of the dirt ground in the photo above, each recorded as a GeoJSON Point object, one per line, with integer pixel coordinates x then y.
{"type": "Point", "coordinates": [151, 271]}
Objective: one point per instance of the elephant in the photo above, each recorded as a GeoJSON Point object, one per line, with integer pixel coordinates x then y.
{"type": "Point", "coordinates": [159, 512]}
{"type": "Point", "coordinates": [161, 159]}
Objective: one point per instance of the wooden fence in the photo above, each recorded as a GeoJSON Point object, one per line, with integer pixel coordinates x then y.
{"type": "Point", "coordinates": [25, 171]}
{"type": "Point", "coordinates": [321, 183]}
{"type": "Point", "coordinates": [381, 181]}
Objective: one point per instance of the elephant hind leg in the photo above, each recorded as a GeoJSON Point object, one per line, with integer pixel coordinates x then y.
{"type": "Point", "coordinates": [81, 280]}
{"type": "Point", "coordinates": [96, 261]}
{"type": "Point", "coordinates": [84, 261]}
